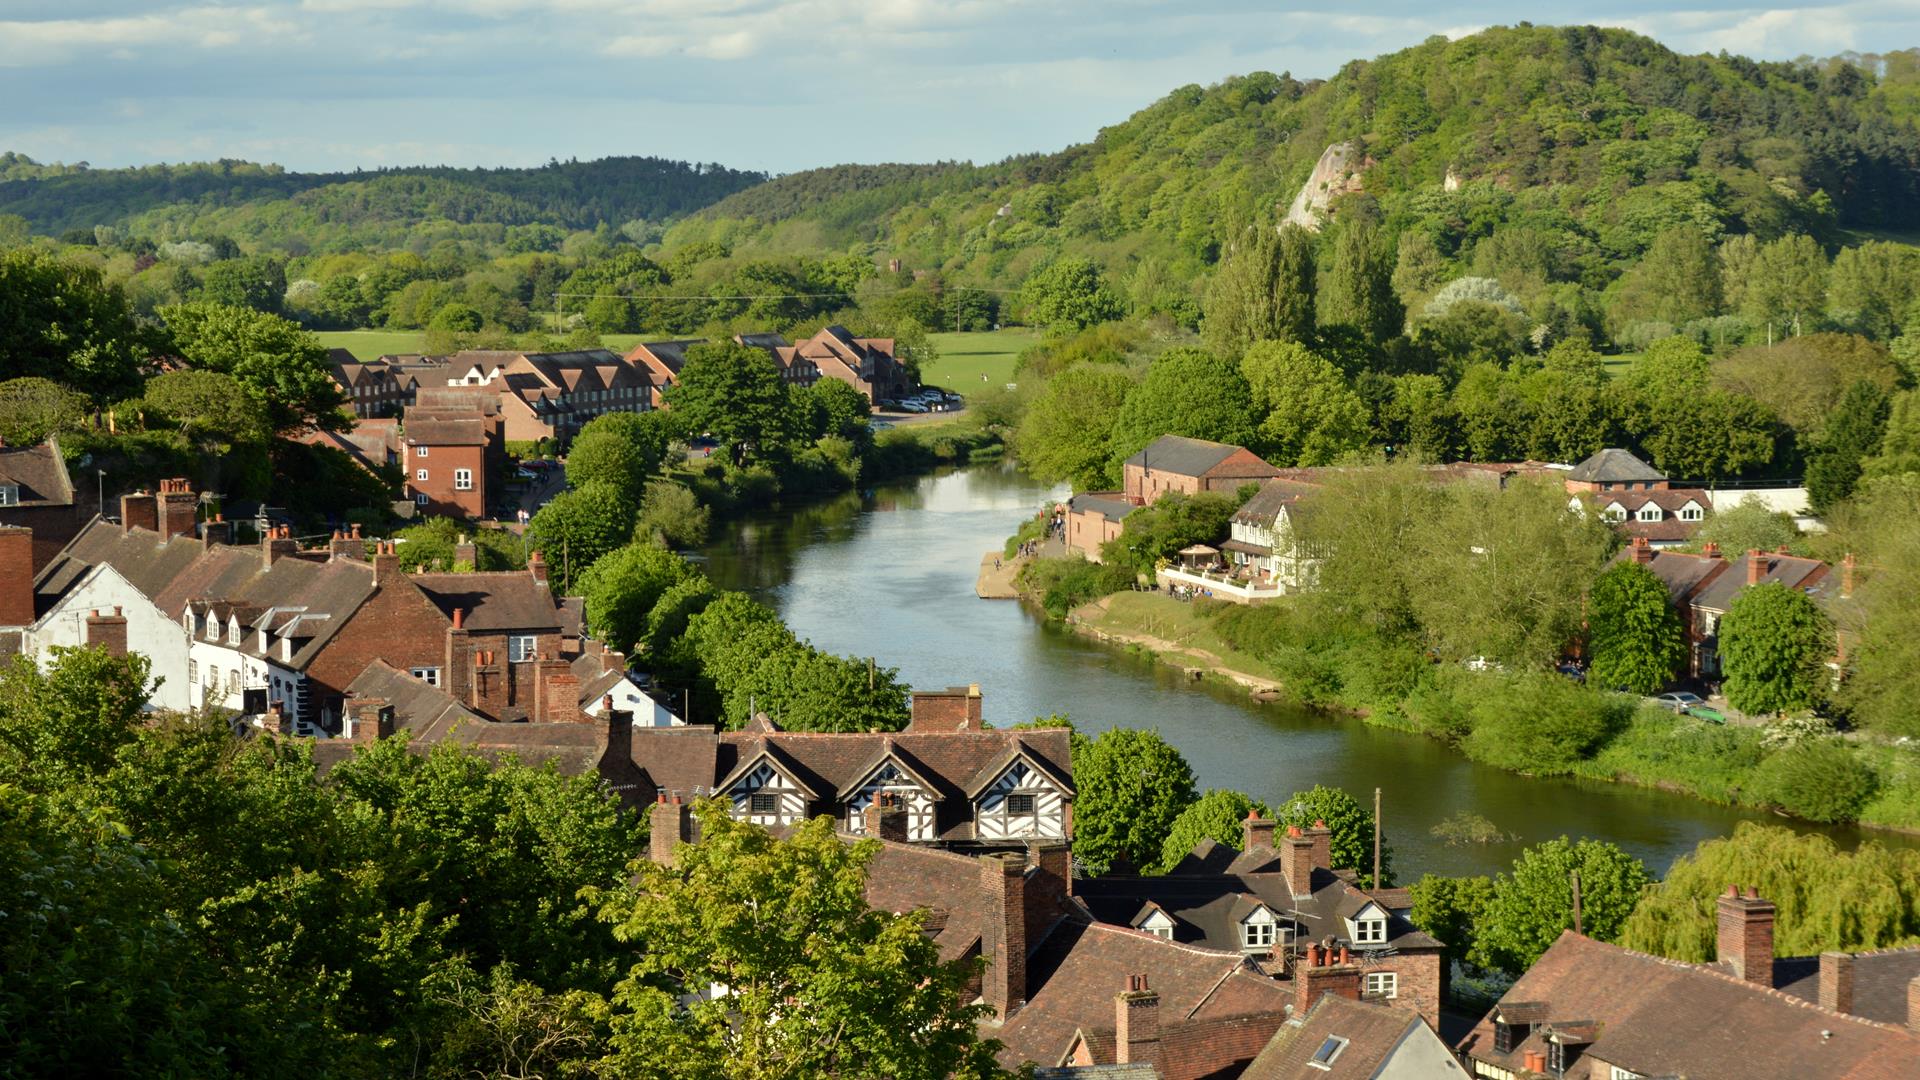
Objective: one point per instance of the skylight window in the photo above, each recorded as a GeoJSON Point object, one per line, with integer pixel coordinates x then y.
{"type": "Point", "coordinates": [1329, 1052]}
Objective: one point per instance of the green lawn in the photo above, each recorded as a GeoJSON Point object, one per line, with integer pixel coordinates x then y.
{"type": "Point", "coordinates": [965, 357]}
{"type": "Point", "coordinates": [371, 344]}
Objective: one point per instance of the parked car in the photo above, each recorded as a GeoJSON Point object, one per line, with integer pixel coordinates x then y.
{"type": "Point", "coordinates": [524, 473]}
{"type": "Point", "coordinates": [1706, 712]}
{"type": "Point", "coordinates": [1680, 700]}
{"type": "Point", "coordinates": [1482, 663]}
{"type": "Point", "coordinates": [911, 406]}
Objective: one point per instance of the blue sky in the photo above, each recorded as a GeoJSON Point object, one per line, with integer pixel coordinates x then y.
{"type": "Point", "coordinates": [766, 84]}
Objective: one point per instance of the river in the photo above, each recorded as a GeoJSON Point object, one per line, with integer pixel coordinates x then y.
{"type": "Point", "coordinates": [890, 574]}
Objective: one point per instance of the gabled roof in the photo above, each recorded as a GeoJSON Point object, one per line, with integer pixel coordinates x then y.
{"type": "Point", "coordinates": [1209, 907]}
{"type": "Point", "coordinates": [427, 711]}
{"type": "Point", "coordinates": [1369, 1035]}
{"type": "Point", "coordinates": [40, 472]}
{"type": "Point", "coordinates": [908, 877]}
{"type": "Point", "coordinates": [1077, 968]}
{"type": "Point", "coordinates": [774, 758]}
{"type": "Point", "coordinates": [1879, 981]}
{"type": "Point", "coordinates": [1112, 505]}
{"type": "Point", "coordinates": [1806, 575]}
{"type": "Point", "coordinates": [1190, 457]}
{"type": "Point", "coordinates": [494, 601]}
{"type": "Point", "coordinates": [1614, 466]}
{"type": "Point", "coordinates": [465, 431]}
{"type": "Point", "coordinates": [1660, 1017]}
{"type": "Point", "coordinates": [994, 769]}
{"type": "Point", "coordinates": [885, 752]}
{"type": "Point", "coordinates": [1274, 496]}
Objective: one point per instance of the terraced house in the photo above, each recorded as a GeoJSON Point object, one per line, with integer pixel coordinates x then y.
{"type": "Point", "coordinates": [553, 395]}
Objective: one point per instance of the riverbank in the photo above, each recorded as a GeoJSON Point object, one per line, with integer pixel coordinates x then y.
{"type": "Point", "coordinates": [1495, 719]}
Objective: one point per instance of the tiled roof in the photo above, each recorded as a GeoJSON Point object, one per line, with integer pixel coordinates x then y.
{"type": "Point", "coordinates": [1273, 496]}
{"type": "Point", "coordinates": [1683, 573]}
{"type": "Point", "coordinates": [465, 431]}
{"type": "Point", "coordinates": [1077, 968]}
{"type": "Point", "coordinates": [909, 877]}
{"type": "Point", "coordinates": [1614, 466]}
{"type": "Point", "coordinates": [1209, 906]}
{"type": "Point", "coordinates": [1807, 575]}
{"type": "Point", "coordinates": [428, 712]}
{"type": "Point", "coordinates": [495, 601]}
{"type": "Point", "coordinates": [1112, 505]}
{"type": "Point", "coordinates": [1183, 456]}
{"type": "Point", "coordinates": [1660, 1017]}
{"type": "Point", "coordinates": [39, 472]}
{"type": "Point", "coordinates": [1371, 1033]}
{"type": "Point", "coordinates": [1879, 982]}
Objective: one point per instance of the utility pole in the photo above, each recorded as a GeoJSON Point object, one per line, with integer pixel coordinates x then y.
{"type": "Point", "coordinates": [1576, 903]}
{"type": "Point", "coordinates": [870, 673]}
{"type": "Point", "coordinates": [1376, 838]}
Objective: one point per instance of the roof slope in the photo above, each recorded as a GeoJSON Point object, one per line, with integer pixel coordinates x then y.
{"type": "Point", "coordinates": [1372, 1032]}
{"type": "Point", "coordinates": [1614, 466]}
{"type": "Point", "coordinates": [40, 472]}
{"type": "Point", "coordinates": [1179, 454]}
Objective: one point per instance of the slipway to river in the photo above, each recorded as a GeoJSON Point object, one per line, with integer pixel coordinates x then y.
{"type": "Point", "coordinates": [890, 573]}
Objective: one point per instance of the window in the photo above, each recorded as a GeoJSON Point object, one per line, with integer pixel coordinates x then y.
{"type": "Point", "coordinates": [1329, 1051]}
{"type": "Point", "coordinates": [420, 499]}
{"type": "Point", "coordinates": [419, 451]}
{"type": "Point", "coordinates": [420, 474]}
{"type": "Point", "coordinates": [1019, 805]}
{"type": "Point", "coordinates": [1650, 512]}
{"type": "Point", "coordinates": [9, 494]}
{"type": "Point", "coordinates": [1690, 513]}
{"type": "Point", "coordinates": [520, 647]}
{"type": "Point", "coordinates": [428, 675]}
{"type": "Point", "coordinates": [1256, 935]}
{"type": "Point", "coordinates": [1615, 513]}
{"type": "Point", "coordinates": [463, 479]}
{"type": "Point", "coordinates": [1384, 984]}
{"type": "Point", "coordinates": [762, 804]}
{"type": "Point", "coordinates": [1370, 932]}
{"type": "Point", "coordinates": [1622, 1074]}
{"type": "Point", "coordinates": [1163, 932]}
{"type": "Point", "coordinates": [193, 672]}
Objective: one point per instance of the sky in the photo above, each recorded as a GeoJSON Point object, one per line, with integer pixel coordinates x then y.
{"type": "Point", "coordinates": [773, 85]}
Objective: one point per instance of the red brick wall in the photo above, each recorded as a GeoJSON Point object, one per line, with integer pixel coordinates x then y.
{"type": "Point", "coordinates": [53, 527]}
{"type": "Point", "coordinates": [16, 576]}
{"type": "Point", "coordinates": [440, 463]}
{"type": "Point", "coordinates": [1145, 484]}
{"type": "Point", "coordinates": [1240, 467]}
{"type": "Point", "coordinates": [1087, 530]}
{"type": "Point", "coordinates": [1419, 989]}
{"type": "Point", "coordinates": [397, 624]}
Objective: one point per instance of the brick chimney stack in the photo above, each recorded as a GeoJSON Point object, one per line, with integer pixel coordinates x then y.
{"type": "Point", "coordinates": [108, 632]}
{"type": "Point", "coordinates": [386, 565]}
{"type": "Point", "coordinates": [1756, 566]}
{"type": "Point", "coordinates": [1913, 1005]}
{"type": "Point", "coordinates": [1710, 549]}
{"type": "Point", "coordinates": [1322, 969]}
{"type": "Point", "coordinates": [1746, 935]}
{"type": "Point", "coordinates": [1003, 878]}
{"type": "Point", "coordinates": [178, 507]}
{"type": "Point", "coordinates": [1322, 851]}
{"type": "Point", "coordinates": [885, 818]}
{"type": "Point", "coordinates": [619, 730]}
{"type": "Point", "coordinates": [456, 666]}
{"type": "Point", "coordinates": [1136, 1024]}
{"type": "Point", "coordinates": [1296, 862]}
{"type": "Point", "coordinates": [1836, 981]}
{"type": "Point", "coordinates": [537, 566]}
{"type": "Point", "coordinates": [1255, 832]}
{"type": "Point", "coordinates": [466, 551]}
{"type": "Point", "coordinates": [372, 719]}
{"type": "Point", "coordinates": [671, 823]}
{"type": "Point", "coordinates": [1642, 550]}
{"type": "Point", "coordinates": [139, 510]}
{"type": "Point", "coordinates": [277, 544]}
{"type": "Point", "coordinates": [16, 590]}
{"type": "Point", "coordinates": [346, 545]}
{"type": "Point", "coordinates": [216, 531]}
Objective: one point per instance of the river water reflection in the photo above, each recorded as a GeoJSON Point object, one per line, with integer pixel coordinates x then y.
{"type": "Point", "coordinates": [890, 574]}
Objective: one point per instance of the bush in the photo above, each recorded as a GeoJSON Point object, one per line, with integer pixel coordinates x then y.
{"type": "Point", "coordinates": [1540, 723]}
{"type": "Point", "coordinates": [1658, 748]}
{"type": "Point", "coordinates": [1064, 584]}
{"type": "Point", "coordinates": [1820, 781]}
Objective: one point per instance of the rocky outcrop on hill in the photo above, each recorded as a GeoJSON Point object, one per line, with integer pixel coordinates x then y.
{"type": "Point", "coordinates": [1337, 173]}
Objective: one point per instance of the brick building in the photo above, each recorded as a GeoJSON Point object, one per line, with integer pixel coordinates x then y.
{"type": "Point", "coordinates": [866, 364]}
{"type": "Point", "coordinates": [384, 387]}
{"type": "Point", "coordinates": [553, 395]}
{"type": "Point", "coordinates": [450, 460]}
{"type": "Point", "coordinates": [661, 360]}
{"type": "Point", "coordinates": [1703, 587]}
{"type": "Point", "coordinates": [1092, 519]}
{"type": "Point", "coordinates": [1637, 499]}
{"type": "Point", "coordinates": [36, 493]}
{"type": "Point", "coordinates": [1190, 466]}
{"type": "Point", "coordinates": [1589, 1009]}
{"type": "Point", "coordinates": [1339, 1038]}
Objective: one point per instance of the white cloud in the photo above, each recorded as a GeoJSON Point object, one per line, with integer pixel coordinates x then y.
{"type": "Point", "coordinates": [47, 42]}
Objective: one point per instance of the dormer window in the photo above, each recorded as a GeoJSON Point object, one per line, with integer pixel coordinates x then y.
{"type": "Point", "coordinates": [1650, 512]}
{"type": "Point", "coordinates": [1020, 805]}
{"type": "Point", "coordinates": [1370, 932]}
{"type": "Point", "coordinates": [233, 631]}
{"type": "Point", "coordinates": [1615, 512]}
{"type": "Point", "coordinates": [1690, 512]}
{"type": "Point", "coordinates": [1256, 936]}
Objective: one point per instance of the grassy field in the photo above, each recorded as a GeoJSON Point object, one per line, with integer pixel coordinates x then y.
{"type": "Point", "coordinates": [964, 358]}
{"type": "Point", "coordinates": [1156, 615]}
{"type": "Point", "coordinates": [372, 344]}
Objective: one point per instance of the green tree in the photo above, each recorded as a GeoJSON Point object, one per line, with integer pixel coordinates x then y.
{"type": "Point", "coordinates": [1824, 898]}
{"type": "Point", "coordinates": [1822, 780]}
{"type": "Point", "coordinates": [1187, 392]}
{"type": "Point", "coordinates": [1666, 402]}
{"type": "Point", "coordinates": [457, 318]}
{"type": "Point", "coordinates": [33, 408]}
{"type": "Point", "coordinates": [1872, 286]}
{"type": "Point", "coordinates": [1882, 621]}
{"type": "Point", "coordinates": [1774, 645]}
{"type": "Point", "coordinates": [1262, 291]}
{"type": "Point", "coordinates": [622, 587]}
{"type": "Point", "coordinates": [1358, 290]}
{"type": "Point", "coordinates": [65, 721]}
{"type": "Point", "coordinates": [1850, 436]}
{"type": "Point", "coordinates": [671, 515]}
{"type": "Point", "coordinates": [257, 282]}
{"type": "Point", "coordinates": [834, 408]}
{"type": "Point", "coordinates": [209, 409]}
{"type": "Point", "coordinates": [282, 367]}
{"type": "Point", "coordinates": [1312, 416]}
{"type": "Point", "coordinates": [1366, 521]}
{"type": "Point", "coordinates": [1539, 723]}
{"type": "Point", "coordinates": [1351, 824]}
{"type": "Point", "coordinates": [1132, 786]}
{"type": "Point", "coordinates": [1450, 909]}
{"type": "Point", "coordinates": [1533, 904]}
{"type": "Point", "coordinates": [1786, 283]}
{"type": "Point", "coordinates": [818, 983]}
{"type": "Point", "coordinates": [673, 611]}
{"type": "Point", "coordinates": [1802, 380]}
{"type": "Point", "coordinates": [1218, 815]}
{"type": "Point", "coordinates": [1065, 432]}
{"type": "Point", "coordinates": [734, 393]}
{"type": "Point", "coordinates": [578, 526]}
{"type": "Point", "coordinates": [61, 320]}
{"type": "Point", "coordinates": [1747, 526]}
{"type": "Point", "coordinates": [1174, 521]}
{"type": "Point", "coordinates": [1069, 294]}
{"type": "Point", "coordinates": [1633, 634]}
{"type": "Point", "coordinates": [1676, 281]}
{"type": "Point", "coordinates": [1898, 455]}
{"type": "Point", "coordinates": [610, 458]}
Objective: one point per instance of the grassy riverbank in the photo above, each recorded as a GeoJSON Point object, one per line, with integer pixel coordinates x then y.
{"type": "Point", "coordinates": [1537, 724]}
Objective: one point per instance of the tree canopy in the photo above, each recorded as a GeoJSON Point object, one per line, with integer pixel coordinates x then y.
{"type": "Point", "coordinates": [1132, 786]}
{"type": "Point", "coordinates": [1634, 636]}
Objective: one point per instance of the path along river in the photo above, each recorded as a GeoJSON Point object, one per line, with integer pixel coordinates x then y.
{"type": "Point", "coordinates": [890, 574]}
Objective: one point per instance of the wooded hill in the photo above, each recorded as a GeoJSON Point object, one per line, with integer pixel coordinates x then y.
{"type": "Point", "coordinates": [266, 206]}
{"type": "Point", "coordinates": [1594, 140]}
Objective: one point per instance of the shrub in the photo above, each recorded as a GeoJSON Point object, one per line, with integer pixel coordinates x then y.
{"type": "Point", "coordinates": [1539, 723]}
{"type": "Point", "coordinates": [1821, 781]}
{"type": "Point", "coordinates": [1064, 584]}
